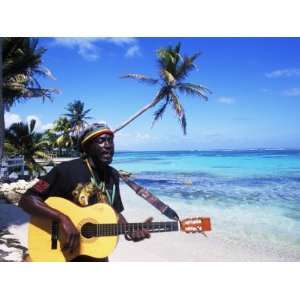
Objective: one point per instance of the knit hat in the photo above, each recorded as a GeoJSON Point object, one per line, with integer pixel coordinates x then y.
{"type": "Point", "coordinates": [92, 131]}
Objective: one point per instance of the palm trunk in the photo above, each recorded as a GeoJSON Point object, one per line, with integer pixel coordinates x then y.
{"type": "Point", "coordinates": [145, 108]}
{"type": "Point", "coordinates": [2, 125]}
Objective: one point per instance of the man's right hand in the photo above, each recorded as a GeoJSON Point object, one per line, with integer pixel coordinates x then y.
{"type": "Point", "coordinates": [35, 206]}
{"type": "Point", "coordinates": [70, 235]}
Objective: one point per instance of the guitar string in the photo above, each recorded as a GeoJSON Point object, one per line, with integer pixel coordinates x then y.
{"type": "Point", "coordinates": [109, 228]}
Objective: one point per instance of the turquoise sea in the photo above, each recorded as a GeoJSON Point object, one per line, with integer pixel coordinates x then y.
{"type": "Point", "coordinates": [253, 196]}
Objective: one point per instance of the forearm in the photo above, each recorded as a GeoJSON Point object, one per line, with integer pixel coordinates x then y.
{"type": "Point", "coordinates": [35, 206]}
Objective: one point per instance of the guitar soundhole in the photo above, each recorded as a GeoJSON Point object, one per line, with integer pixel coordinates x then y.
{"type": "Point", "coordinates": [88, 230]}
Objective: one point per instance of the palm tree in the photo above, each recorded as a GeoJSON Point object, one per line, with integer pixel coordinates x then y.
{"type": "Point", "coordinates": [22, 140]}
{"type": "Point", "coordinates": [173, 69]}
{"type": "Point", "coordinates": [22, 64]}
{"type": "Point", "coordinates": [77, 116]}
{"type": "Point", "coordinates": [62, 127]}
{"type": "Point", "coordinates": [50, 136]}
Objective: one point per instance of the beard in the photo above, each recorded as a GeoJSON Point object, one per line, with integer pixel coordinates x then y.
{"type": "Point", "coordinates": [100, 157]}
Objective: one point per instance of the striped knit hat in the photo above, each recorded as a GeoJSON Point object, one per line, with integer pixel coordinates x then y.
{"type": "Point", "coordinates": [92, 131]}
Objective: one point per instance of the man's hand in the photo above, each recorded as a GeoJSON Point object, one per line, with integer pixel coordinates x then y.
{"type": "Point", "coordinates": [139, 235]}
{"type": "Point", "coordinates": [70, 234]}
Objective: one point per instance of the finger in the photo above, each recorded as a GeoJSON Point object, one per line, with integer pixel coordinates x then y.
{"type": "Point", "coordinates": [146, 234]}
{"type": "Point", "coordinates": [67, 242]}
{"type": "Point", "coordinates": [136, 235]}
{"type": "Point", "coordinates": [128, 237]}
{"type": "Point", "coordinates": [72, 240]}
{"type": "Point", "coordinates": [149, 220]}
{"type": "Point", "coordinates": [75, 242]}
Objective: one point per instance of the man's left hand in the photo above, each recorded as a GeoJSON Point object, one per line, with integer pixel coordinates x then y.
{"type": "Point", "coordinates": [139, 235]}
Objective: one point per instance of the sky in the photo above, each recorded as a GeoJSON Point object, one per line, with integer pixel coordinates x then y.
{"type": "Point", "coordinates": [255, 84]}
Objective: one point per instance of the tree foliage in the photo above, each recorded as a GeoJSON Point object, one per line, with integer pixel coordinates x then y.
{"type": "Point", "coordinates": [173, 70]}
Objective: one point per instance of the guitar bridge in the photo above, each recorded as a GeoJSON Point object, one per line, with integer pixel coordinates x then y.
{"type": "Point", "coordinates": [54, 235]}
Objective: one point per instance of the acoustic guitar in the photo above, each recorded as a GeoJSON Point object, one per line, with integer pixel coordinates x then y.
{"type": "Point", "coordinates": [99, 230]}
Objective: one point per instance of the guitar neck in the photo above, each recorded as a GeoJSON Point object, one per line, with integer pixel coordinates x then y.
{"type": "Point", "coordinates": [117, 229]}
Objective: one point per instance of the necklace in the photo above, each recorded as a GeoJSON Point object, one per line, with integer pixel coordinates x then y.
{"type": "Point", "coordinates": [100, 185]}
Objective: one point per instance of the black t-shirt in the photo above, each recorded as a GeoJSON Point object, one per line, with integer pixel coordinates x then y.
{"type": "Point", "coordinates": [72, 180]}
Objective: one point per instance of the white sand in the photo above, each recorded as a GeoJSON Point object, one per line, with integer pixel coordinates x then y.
{"type": "Point", "coordinates": [171, 246]}
{"type": "Point", "coordinates": [176, 246]}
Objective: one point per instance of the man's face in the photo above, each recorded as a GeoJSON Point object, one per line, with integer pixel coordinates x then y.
{"type": "Point", "coordinates": [102, 149]}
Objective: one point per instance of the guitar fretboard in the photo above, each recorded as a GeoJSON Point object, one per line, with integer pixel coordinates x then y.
{"type": "Point", "coordinates": [91, 230]}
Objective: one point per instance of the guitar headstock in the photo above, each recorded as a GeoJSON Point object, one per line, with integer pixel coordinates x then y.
{"type": "Point", "coordinates": [197, 224]}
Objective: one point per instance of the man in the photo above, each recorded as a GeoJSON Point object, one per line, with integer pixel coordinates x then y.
{"type": "Point", "coordinates": [85, 181]}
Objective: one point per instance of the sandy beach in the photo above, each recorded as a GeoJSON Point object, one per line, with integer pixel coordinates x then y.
{"type": "Point", "coordinates": [180, 246]}
{"type": "Point", "coordinates": [161, 247]}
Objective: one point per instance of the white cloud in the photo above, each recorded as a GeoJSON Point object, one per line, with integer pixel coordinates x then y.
{"type": "Point", "coordinates": [133, 51]}
{"type": "Point", "coordinates": [46, 126]}
{"type": "Point", "coordinates": [90, 50]}
{"type": "Point", "coordinates": [11, 118]}
{"type": "Point", "coordinates": [226, 100]}
{"type": "Point", "coordinates": [294, 92]}
{"type": "Point", "coordinates": [85, 46]}
{"type": "Point", "coordinates": [283, 73]}
{"type": "Point", "coordinates": [136, 136]}
{"type": "Point", "coordinates": [121, 41]}
{"type": "Point", "coordinates": [135, 140]}
{"type": "Point", "coordinates": [39, 126]}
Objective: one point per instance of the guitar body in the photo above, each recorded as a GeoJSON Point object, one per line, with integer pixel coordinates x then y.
{"type": "Point", "coordinates": [40, 244]}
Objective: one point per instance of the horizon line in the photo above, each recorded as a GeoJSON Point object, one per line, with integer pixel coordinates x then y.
{"type": "Point", "coordinates": [225, 149]}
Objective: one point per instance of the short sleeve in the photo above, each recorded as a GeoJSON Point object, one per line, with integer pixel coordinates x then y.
{"type": "Point", "coordinates": [47, 185]}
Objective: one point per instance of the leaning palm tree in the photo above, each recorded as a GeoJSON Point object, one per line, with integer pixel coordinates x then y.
{"type": "Point", "coordinates": [77, 116]}
{"type": "Point", "coordinates": [22, 140]}
{"type": "Point", "coordinates": [173, 69]}
{"type": "Point", "coordinates": [22, 64]}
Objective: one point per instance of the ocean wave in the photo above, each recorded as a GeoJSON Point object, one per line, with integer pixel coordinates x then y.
{"type": "Point", "coordinates": [281, 192]}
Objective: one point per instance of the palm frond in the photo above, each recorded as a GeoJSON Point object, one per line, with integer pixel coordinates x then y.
{"type": "Point", "coordinates": [194, 90]}
{"type": "Point", "coordinates": [141, 78]}
{"type": "Point", "coordinates": [179, 111]}
{"type": "Point", "coordinates": [159, 113]}
{"type": "Point", "coordinates": [177, 48]}
{"type": "Point", "coordinates": [22, 61]}
{"type": "Point", "coordinates": [186, 66]}
{"type": "Point", "coordinates": [39, 93]}
{"type": "Point", "coordinates": [10, 149]}
{"type": "Point", "coordinates": [42, 144]}
{"type": "Point", "coordinates": [41, 154]}
{"type": "Point", "coordinates": [32, 125]}
{"type": "Point", "coordinates": [33, 166]}
{"type": "Point", "coordinates": [64, 140]}
{"type": "Point", "coordinates": [45, 72]}
{"type": "Point", "coordinates": [60, 140]}
{"type": "Point", "coordinates": [21, 139]}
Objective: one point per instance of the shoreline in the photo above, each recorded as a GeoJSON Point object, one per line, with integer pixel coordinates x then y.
{"type": "Point", "coordinates": [161, 247]}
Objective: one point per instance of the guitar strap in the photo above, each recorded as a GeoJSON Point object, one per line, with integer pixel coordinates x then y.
{"type": "Point", "coordinates": [153, 200]}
